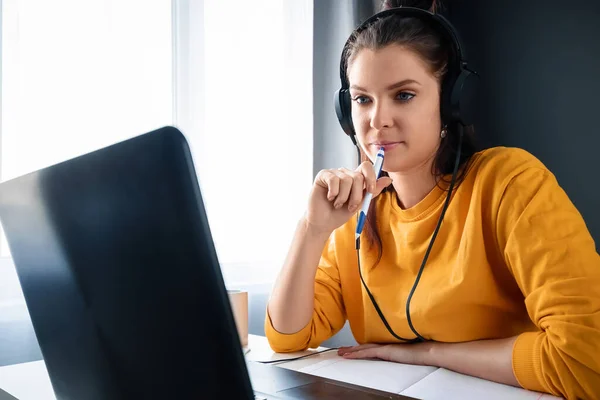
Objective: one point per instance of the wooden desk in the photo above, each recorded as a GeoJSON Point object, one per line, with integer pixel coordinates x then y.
{"type": "Point", "coordinates": [29, 381]}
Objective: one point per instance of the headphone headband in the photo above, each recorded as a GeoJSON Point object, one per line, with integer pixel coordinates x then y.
{"type": "Point", "coordinates": [459, 85]}
{"type": "Point", "coordinates": [436, 21]}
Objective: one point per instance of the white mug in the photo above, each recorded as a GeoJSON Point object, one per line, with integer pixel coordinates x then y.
{"type": "Point", "coordinates": [239, 305]}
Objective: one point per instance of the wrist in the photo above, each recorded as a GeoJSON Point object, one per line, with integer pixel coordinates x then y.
{"type": "Point", "coordinates": [314, 231]}
{"type": "Point", "coordinates": [429, 354]}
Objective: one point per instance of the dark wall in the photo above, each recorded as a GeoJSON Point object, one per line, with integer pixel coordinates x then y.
{"type": "Point", "coordinates": [539, 62]}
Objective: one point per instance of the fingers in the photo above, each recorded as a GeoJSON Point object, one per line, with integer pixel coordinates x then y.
{"type": "Point", "coordinates": [357, 186]}
{"type": "Point", "coordinates": [382, 183]}
{"type": "Point", "coordinates": [347, 188]}
{"type": "Point", "coordinates": [344, 187]}
{"type": "Point", "coordinates": [366, 169]}
{"type": "Point", "coordinates": [372, 184]}
{"type": "Point", "coordinates": [367, 352]}
{"type": "Point", "coordinates": [330, 181]}
{"type": "Point", "coordinates": [346, 183]}
{"type": "Point", "coordinates": [398, 353]}
{"type": "Point", "coordinates": [351, 349]}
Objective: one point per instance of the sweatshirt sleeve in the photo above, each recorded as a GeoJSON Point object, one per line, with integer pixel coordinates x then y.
{"type": "Point", "coordinates": [329, 314]}
{"type": "Point", "coordinates": [551, 254]}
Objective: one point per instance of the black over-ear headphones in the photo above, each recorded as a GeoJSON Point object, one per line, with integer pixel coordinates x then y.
{"type": "Point", "coordinates": [459, 85]}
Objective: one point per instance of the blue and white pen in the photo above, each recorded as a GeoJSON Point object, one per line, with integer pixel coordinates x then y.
{"type": "Point", "coordinates": [362, 216]}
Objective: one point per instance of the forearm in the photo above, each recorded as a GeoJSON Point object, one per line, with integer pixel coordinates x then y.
{"type": "Point", "coordinates": [486, 359]}
{"type": "Point", "coordinates": [292, 299]}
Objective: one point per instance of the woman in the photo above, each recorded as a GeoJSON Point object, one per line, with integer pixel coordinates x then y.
{"type": "Point", "coordinates": [509, 290]}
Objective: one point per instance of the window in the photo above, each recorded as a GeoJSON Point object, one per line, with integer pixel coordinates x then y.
{"type": "Point", "coordinates": [80, 75]}
{"type": "Point", "coordinates": [256, 109]}
{"type": "Point", "coordinates": [234, 76]}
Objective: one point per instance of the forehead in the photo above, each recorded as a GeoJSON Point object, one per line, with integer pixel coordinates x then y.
{"type": "Point", "coordinates": [389, 64]}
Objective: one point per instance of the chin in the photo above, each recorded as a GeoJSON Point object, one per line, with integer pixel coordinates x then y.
{"type": "Point", "coordinates": [402, 164]}
{"type": "Point", "coordinates": [402, 159]}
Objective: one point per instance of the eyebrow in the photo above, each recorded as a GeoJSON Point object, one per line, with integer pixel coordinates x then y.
{"type": "Point", "coordinates": [391, 87]}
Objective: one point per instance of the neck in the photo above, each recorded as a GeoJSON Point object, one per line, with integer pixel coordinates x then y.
{"type": "Point", "coordinates": [412, 186]}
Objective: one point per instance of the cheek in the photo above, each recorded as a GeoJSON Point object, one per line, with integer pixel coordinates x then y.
{"type": "Point", "coordinates": [427, 122]}
{"type": "Point", "coordinates": [426, 117]}
{"type": "Point", "coordinates": [360, 120]}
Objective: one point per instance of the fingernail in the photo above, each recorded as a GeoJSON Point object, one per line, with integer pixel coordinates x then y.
{"type": "Point", "coordinates": [337, 205]}
{"type": "Point", "coordinates": [372, 188]}
{"type": "Point", "coordinates": [352, 208]}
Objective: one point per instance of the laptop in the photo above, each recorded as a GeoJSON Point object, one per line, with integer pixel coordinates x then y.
{"type": "Point", "coordinates": [6, 396]}
{"type": "Point", "coordinates": [118, 268]}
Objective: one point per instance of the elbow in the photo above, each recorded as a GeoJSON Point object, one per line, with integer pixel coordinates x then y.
{"type": "Point", "coordinates": [565, 364]}
{"type": "Point", "coordinates": [287, 342]}
{"type": "Point", "coordinates": [284, 343]}
{"type": "Point", "coordinates": [280, 347]}
{"type": "Point", "coordinates": [578, 381]}
{"type": "Point", "coordinates": [574, 355]}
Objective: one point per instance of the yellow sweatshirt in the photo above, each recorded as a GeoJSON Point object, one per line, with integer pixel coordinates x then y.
{"type": "Point", "coordinates": [513, 257]}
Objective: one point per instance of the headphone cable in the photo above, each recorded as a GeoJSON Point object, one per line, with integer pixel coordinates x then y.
{"type": "Point", "coordinates": [419, 338]}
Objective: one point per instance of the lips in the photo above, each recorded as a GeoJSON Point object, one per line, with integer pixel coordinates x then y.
{"type": "Point", "coordinates": [387, 145]}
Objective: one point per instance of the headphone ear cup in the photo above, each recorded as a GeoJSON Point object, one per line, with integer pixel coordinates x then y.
{"type": "Point", "coordinates": [343, 111]}
{"type": "Point", "coordinates": [463, 97]}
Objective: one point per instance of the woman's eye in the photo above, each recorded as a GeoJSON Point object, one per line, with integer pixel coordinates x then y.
{"type": "Point", "coordinates": [360, 99]}
{"type": "Point", "coordinates": [405, 96]}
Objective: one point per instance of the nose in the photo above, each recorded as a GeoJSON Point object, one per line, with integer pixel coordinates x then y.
{"type": "Point", "coordinates": [381, 115]}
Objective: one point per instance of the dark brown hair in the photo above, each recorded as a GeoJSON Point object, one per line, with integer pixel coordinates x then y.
{"type": "Point", "coordinates": [417, 35]}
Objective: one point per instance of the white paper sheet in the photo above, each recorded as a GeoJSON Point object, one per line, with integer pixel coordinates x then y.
{"type": "Point", "coordinates": [448, 385]}
{"type": "Point", "coordinates": [382, 375]}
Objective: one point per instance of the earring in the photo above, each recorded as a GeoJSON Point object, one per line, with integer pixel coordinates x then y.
{"type": "Point", "coordinates": [443, 133]}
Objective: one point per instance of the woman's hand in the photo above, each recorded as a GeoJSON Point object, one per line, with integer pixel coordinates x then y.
{"type": "Point", "coordinates": [489, 359]}
{"type": "Point", "coordinates": [414, 353]}
{"type": "Point", "coordinates": [338, 193]}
